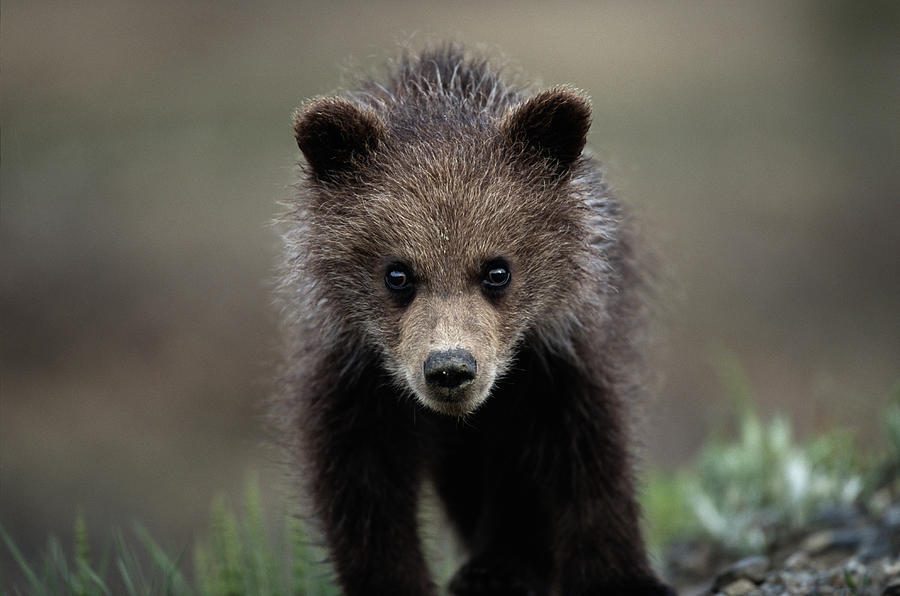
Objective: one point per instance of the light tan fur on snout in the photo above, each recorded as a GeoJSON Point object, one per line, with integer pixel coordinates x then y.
{"type": "Point", "coordinates": [464, 320]}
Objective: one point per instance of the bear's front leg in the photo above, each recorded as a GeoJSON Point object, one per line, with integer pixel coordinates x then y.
{"type": "Point", "coordinates": [364, 481]}
{"type": "Point", "coordinates": [598, 544]}
{"type": "Point", "coordinates": [585, 465]}
{"type": "Point", "coordinates": [510, 551]}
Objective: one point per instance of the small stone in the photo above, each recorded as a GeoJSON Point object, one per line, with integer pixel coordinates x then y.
{"type": "Point", "coordinates": [892, 588]}
{"type": "Point", "coordinates": [880, 501]}
{"type": "Point", "coordinates": [891, 517]}
{"type": "Point", "coordinates": [799, 582]}
{"type": "Point", "coordinates": [750, 568]}
{"type": "Point", "coordinates": [818, 542]}
{"type": "Point", "coordinates": [798, 560]}
{"type": "Point", "coordinates": [837, 516]}
{"type": "Point", "coordinates": [843, 539]}
{"type": "Point", "coordinates": [741, 587]}
{"type": "Point", "coordinates": [876, 544]}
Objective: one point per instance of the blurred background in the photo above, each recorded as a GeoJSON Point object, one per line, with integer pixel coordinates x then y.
{"type": "Point", "coordinates": [145, 147]}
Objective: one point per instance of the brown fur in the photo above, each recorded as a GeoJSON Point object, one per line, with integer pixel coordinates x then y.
{"type": "Point", "coordinates": [443, 169]}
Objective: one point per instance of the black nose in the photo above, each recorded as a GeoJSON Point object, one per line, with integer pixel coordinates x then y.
{"type": "Point", "coordinates": [450, 369]}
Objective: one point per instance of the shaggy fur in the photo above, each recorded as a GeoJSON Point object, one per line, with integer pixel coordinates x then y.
{"type": "Point", "coordinates": [444, 171]}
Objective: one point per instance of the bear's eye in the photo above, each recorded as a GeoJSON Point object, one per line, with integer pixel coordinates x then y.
{"type": "Point", "coordinates": [496, 275]}
{"type": "Point", "coordinates": [398, 278]}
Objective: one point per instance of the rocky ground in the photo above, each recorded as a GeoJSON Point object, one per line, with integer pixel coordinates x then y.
{"type": "Point", "coordinates": [850, 550]}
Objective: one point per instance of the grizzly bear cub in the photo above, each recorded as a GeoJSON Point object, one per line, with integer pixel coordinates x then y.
{"type": "Point", "coordinates": [462, 305]}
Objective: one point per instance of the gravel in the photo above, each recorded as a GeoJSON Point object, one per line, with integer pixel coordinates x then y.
{"type": "Point", "coordinates": [848, 550]}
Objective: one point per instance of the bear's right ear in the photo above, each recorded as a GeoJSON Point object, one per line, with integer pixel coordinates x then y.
{"type": "Point", "coordinates": [553, 124]}
{"type": "Point", "coordinates": [333, 133]}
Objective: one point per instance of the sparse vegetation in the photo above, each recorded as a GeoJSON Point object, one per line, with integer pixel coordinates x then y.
{"type": "Point", "coordinates": [122, 569]}
{"type": "Point", "coordinates": [742, 493]}
{"type": "Point", "coordinates": [736, 494]}
{"type": "Point", "coordinates": [242, 555]}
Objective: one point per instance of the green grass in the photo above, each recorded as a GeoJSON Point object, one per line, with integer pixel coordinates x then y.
{"type": "Point", "coordinates": [241, 555]}
{"type": "Point", "coordinates": [121, 570]}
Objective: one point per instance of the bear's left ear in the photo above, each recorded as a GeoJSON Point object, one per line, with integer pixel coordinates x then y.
{"type": "Point", "coordinates": [336, 135]}
{"type": "Point", "coordinates": [553, 123]}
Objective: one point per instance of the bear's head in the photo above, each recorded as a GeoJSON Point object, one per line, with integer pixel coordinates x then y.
{"type": "Point", "coordinates": [446, 235]}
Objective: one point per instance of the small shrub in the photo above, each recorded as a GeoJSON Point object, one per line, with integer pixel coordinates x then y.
{"type": "Point", "coordinates": [744, 491]}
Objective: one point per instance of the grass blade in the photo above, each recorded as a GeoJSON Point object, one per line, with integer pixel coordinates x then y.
{"type": "Point", "coordinates": [36, 585]}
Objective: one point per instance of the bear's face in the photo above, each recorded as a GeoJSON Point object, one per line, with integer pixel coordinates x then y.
{"type": "Point", "coordinates": [445, 252]}
{"type": "Point", "coordinates": [455, 281]}
{"type": "Point", "coordinates": [451, 334]}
